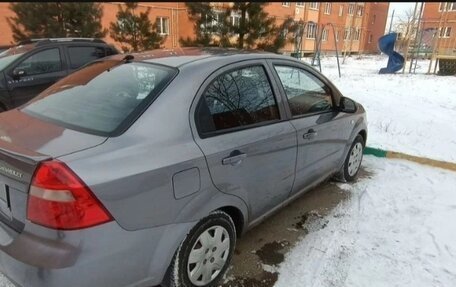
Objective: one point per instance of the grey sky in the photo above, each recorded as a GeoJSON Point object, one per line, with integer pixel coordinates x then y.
{"type": "Point", "coordinates": [399, 10]}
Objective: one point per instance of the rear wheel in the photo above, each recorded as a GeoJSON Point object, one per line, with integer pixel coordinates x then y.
{"type": "Point", "coordinates": [205, 254]}
{"type": "Point", "coordinates": [353, 160]}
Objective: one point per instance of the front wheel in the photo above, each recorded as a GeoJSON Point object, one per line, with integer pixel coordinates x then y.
{"type": "Point", "coordinates": [353, 160]}
{"type": "Point", "coordinates": [205, 254]}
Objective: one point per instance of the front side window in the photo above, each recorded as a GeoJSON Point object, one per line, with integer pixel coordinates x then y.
{"type": "Point", "coordinates": [83, 55]}
{"type": "Point", "coordinates": [238, 98]}
{"type": "Point", "coordinates": [306, 94]}
{"type": "Point", "coordinates": [46, 61]}
{"type": "Point", "coordinates": [100, 97]}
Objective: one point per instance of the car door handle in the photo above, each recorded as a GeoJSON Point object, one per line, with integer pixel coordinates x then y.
{"type": "Point", "coordinates": [234, 158]}
{"type": "Point", "coordinates": [310, 134]}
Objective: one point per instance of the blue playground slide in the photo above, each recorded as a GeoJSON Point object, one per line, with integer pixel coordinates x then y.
{"type": "Point", "coordinates": [395, 60]}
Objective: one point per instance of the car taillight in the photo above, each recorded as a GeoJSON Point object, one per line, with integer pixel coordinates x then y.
{"type": "Point", "coordinates": [59, 199]}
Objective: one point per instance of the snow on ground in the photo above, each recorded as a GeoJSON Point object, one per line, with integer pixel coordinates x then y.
{"type": "Point", "coordinates": [397, 229]}
{"type": "Point", "coordinates": [410, 113]}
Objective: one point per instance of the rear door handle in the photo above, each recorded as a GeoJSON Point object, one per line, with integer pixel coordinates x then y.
{"type": "Point", "coordinates": [234, 158]}
{"type": "Point", "coordinates": [310, 134]}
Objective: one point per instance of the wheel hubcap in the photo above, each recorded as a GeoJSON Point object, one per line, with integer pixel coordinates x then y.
{"type": "Point", "coordinates": [208, 255]}
{"type": "Point", "coordinates": [354, 161]}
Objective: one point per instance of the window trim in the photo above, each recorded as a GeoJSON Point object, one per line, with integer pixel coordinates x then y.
{"type": "Point", "coordinates": [335, 93]}
{"type": "Point", "coordinates": [227, 69]}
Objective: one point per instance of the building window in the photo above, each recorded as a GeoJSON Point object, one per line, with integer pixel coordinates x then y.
{"type": "Point", "coordinates": [212, 25]}
{"type": "Point", "coordinates": [286, 4]}
{"type": "Point", "coordinates": [346, 34]}
{"type": "Point", "coordinates": [163, 25]}
{"type": "Point", "coordinates": [328, 8]}
{"type": "Point", "coordinates": [370, 38]}
{"type": "Point", "coordinates": [235, 20]}
{"type": "Point", "coordinates": [447, 6]}
{"type": "Point", "coordinates": [341, 10]}
{"type": "Point", "coordinates": [300, 4]}
{"type": "Point", "coordinates": [445, 32]}
{"type": "Point", "coordinates": [357, 34]}
{"type": "Point", "coordinates": [351, 9]}
{"type": "Point", "coordinates": [337, 35]}
{"type": "Point", "coordinates": [359, 11]}
{"type": "Point", "coordinates": [313, 5]}
{"type": "Point", "coordinates": [374, 18]}
{"type": "Point", "coordinates": [311, 30]}
{"type": "Point", "coordinates": [324, 35]}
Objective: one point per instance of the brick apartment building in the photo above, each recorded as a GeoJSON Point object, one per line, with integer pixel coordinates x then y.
{"type": "Point", "coordinates": [357, 25]}
{"type": "Point", "coordinates": [441, 18]}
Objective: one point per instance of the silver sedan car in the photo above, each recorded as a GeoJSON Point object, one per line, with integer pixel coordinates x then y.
{"type": "Point", "coordinates": [144, 169]}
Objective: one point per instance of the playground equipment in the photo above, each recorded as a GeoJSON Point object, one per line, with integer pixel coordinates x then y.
{"type": "Point", "coordinates": [395, 60]}
{"type": "Point", "coordinates": [318, 48]}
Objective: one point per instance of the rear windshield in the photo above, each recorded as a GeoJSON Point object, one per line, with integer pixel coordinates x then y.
{"type": "Point", "coordinates": [102, 97]}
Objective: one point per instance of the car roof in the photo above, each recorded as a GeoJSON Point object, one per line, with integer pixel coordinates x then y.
{"type": "Point", "coordinates": [179, 57]}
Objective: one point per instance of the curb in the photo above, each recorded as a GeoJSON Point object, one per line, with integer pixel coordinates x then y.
{"type": "Point", "coordinates": [422, 160]}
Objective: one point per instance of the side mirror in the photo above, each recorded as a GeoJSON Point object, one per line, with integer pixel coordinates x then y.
{"type": "Point", "coordinates": [18, 73]}
{"type": "Point", "coordinates": [347, 105]}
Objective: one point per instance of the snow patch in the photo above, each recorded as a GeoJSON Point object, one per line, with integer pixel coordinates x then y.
{"type": "Point", "coordinates": [397, 229]}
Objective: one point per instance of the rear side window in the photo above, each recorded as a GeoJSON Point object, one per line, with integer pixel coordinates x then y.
{"type": "Point", "coordinates": [82, 55]}
{"type": "Point", "coordinates": [235, 99]}
{"type": "Point", "coordinates": [46, 61]}
{"type": "Point", "coordinates": [101, 97]}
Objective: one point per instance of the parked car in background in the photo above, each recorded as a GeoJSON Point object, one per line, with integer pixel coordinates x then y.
{"type": "Point", "coordinates": [143, 169]}
{"type": "Point", "coordinates": [32, 66]}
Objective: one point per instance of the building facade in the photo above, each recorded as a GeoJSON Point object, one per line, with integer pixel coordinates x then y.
{"type": "Point", "coordinates": [439, 18]}
{"type": "Point", "coordinates": [357, 25]}
{"type": "Point", "coordinates": [354, 27]}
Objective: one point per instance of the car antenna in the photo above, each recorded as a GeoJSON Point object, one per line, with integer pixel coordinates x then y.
{"type": "Point", "coordinates": [128, 58]}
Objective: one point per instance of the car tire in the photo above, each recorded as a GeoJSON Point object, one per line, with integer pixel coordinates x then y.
{"type": "Point", "coordinates": [211, 252]}
{"type": "Point", "coordinates": [352, 162]}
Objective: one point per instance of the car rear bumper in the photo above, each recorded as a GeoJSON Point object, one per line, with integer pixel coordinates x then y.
{"type": "Point", "coordinates": [106, 255]}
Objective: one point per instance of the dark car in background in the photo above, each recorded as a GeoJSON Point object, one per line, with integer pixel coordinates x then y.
{"type": "Point", "coordinates": [32, 66]}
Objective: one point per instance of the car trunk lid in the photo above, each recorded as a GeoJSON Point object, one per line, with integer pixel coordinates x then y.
{"type": "Point", "coordinates": [25, 141]}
